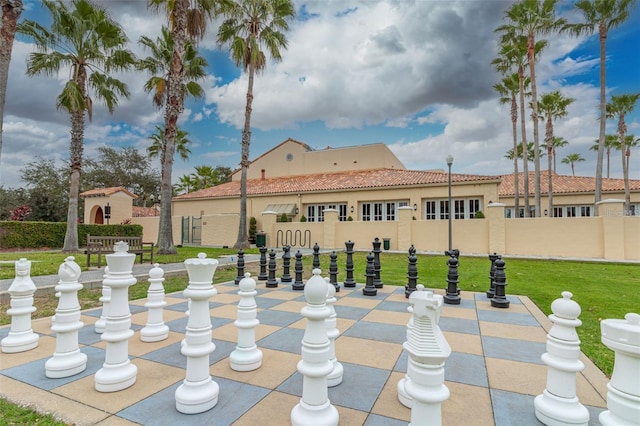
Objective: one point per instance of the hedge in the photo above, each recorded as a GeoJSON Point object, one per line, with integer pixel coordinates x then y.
{"type": "Point", "coordinates": [23, 235]}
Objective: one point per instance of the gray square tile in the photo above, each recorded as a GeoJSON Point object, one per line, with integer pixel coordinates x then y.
{"type": "Point", "coordinates": [378, 331]}
{"type": "Point", "coordinates": [286, 339]}
{"type": "Point", "coordinates": [278, 318]}
{"type": "Point", "coordinates": [511, 349]}
{"type": "Point", "coordinates": [507, 317]}
{"type": "Point", "coordinates": [459, 325]}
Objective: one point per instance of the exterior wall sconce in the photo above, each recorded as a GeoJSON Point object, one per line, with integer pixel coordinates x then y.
{"type": "Point", "coordinates": [415, 207]}
{"type": "Point", "coordinates": [297, 210]}
{"type": "Point", "coordinates": [546, 212]}
{"type": "Point", "coordinates": [351, 209]}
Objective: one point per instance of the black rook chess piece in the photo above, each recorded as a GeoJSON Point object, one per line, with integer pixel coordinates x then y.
{"type": "Point", "coordinates": [316, 256]}
{"type": "Point", "coordinates": [492, 275]}
{"type": "Point", "coordinates": [240, 267]}
{"type": "Point", "coordinates": [286, 265]}
{"type": "Point", "coordinates": [377, 282]}
{"type": "Point", "coordinates": [298, 284]}
{"type": "Point", "coordinates": [452, 297]}
{"type": "Point", "coordinates": [500, 298]}
{"type": "Point", "coordinates": [263, 264]}
{"type": "Point", "coordinates": [412, 273]}
{"type": "Point", "coordinates": [369, 289]}
{"type": "Point", "coordinates": [349, 281]}
{"type": "Point", "coordinates": [271, 281]}
{"type": "Point", "coordinates": [333, 270]}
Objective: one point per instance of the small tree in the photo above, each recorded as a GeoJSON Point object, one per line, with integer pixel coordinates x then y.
{"type": "Point", "coordinates": [284, 217]}
{"type": "Point", "coordinates": [303, 218]}
{"type": "Point", "coordinates": [253, 226]}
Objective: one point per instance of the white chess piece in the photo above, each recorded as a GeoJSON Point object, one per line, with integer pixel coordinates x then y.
{"type": "Point", "coordinates": [335, 377]}
{"type": "Point", "coordinates": [246, 356]}
{"type": "Point", "coordinates": [155, 330]}
{"type": "Point", "coordinates": [21, 336]}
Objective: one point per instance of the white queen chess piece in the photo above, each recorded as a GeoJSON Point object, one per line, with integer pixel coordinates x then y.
{"type": "Point", "coordinates": [21, 336]}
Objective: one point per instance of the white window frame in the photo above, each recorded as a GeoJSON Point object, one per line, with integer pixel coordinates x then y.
{"type": "Point", "coordinates": [464, 208]}
{"type": "Point", "coordinates": [380, 211]}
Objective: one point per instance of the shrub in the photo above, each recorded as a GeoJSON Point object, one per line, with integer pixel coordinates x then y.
{"type": "Point", "coordinates": [349, 219]}
{"type": "Point", "coordinates": [479, 215]}
{"type": "Point", "coordinates": [284, 218]}
{"type": "Point", "coordinates": [20, 213]}
{"type": "Point", "coordinates": [303, 218]}
{"type": "Point", "coordinates": [253, 226]}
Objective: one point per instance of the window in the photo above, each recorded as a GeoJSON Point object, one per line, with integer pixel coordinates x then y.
{"type": "Point", "coordinates": [463, 208]}
{"type": "Point", "coordinates": [585, 211]}
{"type": "Point", "coordinates": [381, 210]}
{"type": "Point", "coordinates": [430, 210]}
{"type": "Point", "coordinates": [571, 211]}
{"type": "Point", "coordinates": [315, 212]}
{"type": "Point", "coordinates": [366, 212]}
{"type": "Point", "coordinates": [458, 209]}
{"type": "Point", "coordinates": [444, 209]}
{"type": "Point", "coordinates": [474, 206]}
{"type": "Point", "coordinates": [557, 212]}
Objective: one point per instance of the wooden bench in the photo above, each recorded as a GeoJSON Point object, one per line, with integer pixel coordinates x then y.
{"type": "Point", "coordinates": [101, 245]}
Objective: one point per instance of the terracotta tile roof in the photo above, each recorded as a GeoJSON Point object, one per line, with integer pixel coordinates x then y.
{"type": "Point", "coordinates": [105, 192]}
{"type": "Point", "coordinates": [360, 179]}
{"type": "Point", "coordinates": [563, 184]}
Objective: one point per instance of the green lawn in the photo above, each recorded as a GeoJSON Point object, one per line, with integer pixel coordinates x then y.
{"type": "Point", "coordinates": [603, 290]}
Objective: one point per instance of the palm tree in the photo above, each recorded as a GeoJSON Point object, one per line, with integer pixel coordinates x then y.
{"type": "Point", "coordinates": [610, 142]}
{"type": "Point", "coordinates": [532, 18]}
{"type": "Point", "coordinates": [157, 139]}
{"type": "Point", "coordinates": [508, 90]}
{"type": "Point", "coordinates": [519, 153]}
{"type": "Point", "coordinates": [558, 142]}
{"type": "Point", "coordinates": [188, 19]}
{"type": "Point", "coordinates": [86, 40]}
{"type": "Point", "coordinates": [185, 184]}
{"type": "Point", "coordinates": [552, 106]}
{"type": "Point", "coordinates": [602, 15]}
{"type": "Point", "coordinates": [572, 159]}
{"type": "Point", "coordinates": [11, 11]}
{"type": "Point", "coordinates": [251, 27]}
{"type": "Point", "coordinates": [619, 107]}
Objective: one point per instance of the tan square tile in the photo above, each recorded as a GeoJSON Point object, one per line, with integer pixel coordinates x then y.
{"type": "Point", "coordinates": [226, 298]}
{"type": "Point", "coordinates": [281, 294]}
{"type": "Point", "coordinates": [349, 416]}
{"type": "Point", "coordinates": [151, 378]}
{"type": "Point", "coordinates": [274, 409]}
{"type": "Point", "coordinates": [173, 300]}
{"type": "Point", "coordinates": [386, 289]}
{"type": "Point", "coordinates": [225, 311]}
{"type": "Point", "coordinates": [42, 325]}
{"type": "Point", "coordinates": [462, 342]}
{"type": "Point", "coordinates": [359, 303]}
{"type": "Point", "coordinates": [277, 366]}
{"type": "Point", "coordinates": [467, 405]}
{"type": "Point", "coordinates": [88, 320]}
{"type": "Point", "coordinates": [115, 421]}
{"type": "Point", "coordinates": [69, 411]}
{"type": "Point", "coordinates": [467, 295]}
{"type": "Point", "coordinates": [540, 316]}
{"type": "Point", "coordinates": [387, 317]}
{"type": "Point", "coordinates": [229, 332]}
{"type": "Point", "coordinates": [45, 349]}
{"type": "Point", "coordinates": [515, 376]}
{"type": "Point", "coordinates": [512, 331]}
{"type": "Point", "coordinates": [138, 348]}
{"type": "Point", "coordinates": [290, 306]}
{"type": "Point", "coordinates": [398, 297]}
{"type": "Point", "coordinates": [367, 352]}
{"type": "Point", "coordinates": [138, 302]}
{"type": "Point", "coordinates": [388, 404]}
{"type": "Point", "coordinates": [451, 311]}
{"type": "Point", "coordinates": [345, 324]}
{"type": "Point", "coordinates": [226, 288]}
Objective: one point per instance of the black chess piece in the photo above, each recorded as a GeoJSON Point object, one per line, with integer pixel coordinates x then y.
{"type": "Point", "coordinates": [271, 281]}
{"type": "Point", "coordinates": [333, 271]}
{"type": "Point", "coordinates": [452, 297]}
{"type": "Point", "coordinates": [240, 266]}
{"type": "Point", "coordinates": [492, 275]}
{"type": "Point", "coordinates": [316, 256]}
{"type": "Point", "coordinates": [286, 265]}
{"type": "Point", "coordinates": [349, 281]}
{"type": "Point", "coordinates": [412, 273]}
{"type": "Point", "coordinates": [377, 282]}
{"type": "Point", "coordinates": [263, 264]}
{"type": "Point", "coordinates": [500, 299]}
{"type": "Point", "coordinates": [369, 289]}
{"type": "Point", "coordinates": [298, 284]}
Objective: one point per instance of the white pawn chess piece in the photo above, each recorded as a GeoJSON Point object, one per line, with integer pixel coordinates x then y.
{"type": "Point", "coordinates": [558, 404]}
{"type": "Point", "coordinates": [403, 396]}
{"type": "Point", "coordinates": [155, 330]}
{"type": "Point", "coordinates": [428, 350]}
{"type": "Point", "coordinates": [21, 336]}
{"type": "Point", "coordinates": [246, 356]}
{"type": "Point", "coordinates": [335, 377]}
{"type": "Point", "coordinates": [314, 407]}
{"type": "Point", "coordinates": [623, 391]}
{"type": "Point", "coordinates": [101, 323]}
{"type": "Point", "coordinates": [67, 360]}
{"type": "Point", "coordinates": [117, 372]}
{"type": "Point", "coordinates": [198, 392]}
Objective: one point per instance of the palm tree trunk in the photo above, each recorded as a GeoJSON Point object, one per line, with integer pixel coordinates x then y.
{"type": "Point", "coordinates": [514, 132]}
{"type": "Point", "coordinates": [534, 116]}
{"type": "Point", "coordinates": [11, 11]}
{"type": "Point", "coordinates": [76, 148]}
{"type": "Point", "coordinates": [242, 240]}
{"type": "Point", "coordinates": [549, 141]}
{"type": "Point", "coordinates": [622, 130]}
{"type": "Point", "coordinates": [608, 161]}
{"type": "Point", "coordinates": [603, 113]}
{"type": "Point", "coordinates": [525, 166]}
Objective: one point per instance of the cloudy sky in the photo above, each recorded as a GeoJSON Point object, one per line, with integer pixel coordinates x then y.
{"type": "Point", "coordinates": [415, 75]}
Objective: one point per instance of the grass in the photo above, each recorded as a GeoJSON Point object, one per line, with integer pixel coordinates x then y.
{"type": "Point", "coordinates": [13, 414]}
{"type": "Point", "coordinates": [603, 290]}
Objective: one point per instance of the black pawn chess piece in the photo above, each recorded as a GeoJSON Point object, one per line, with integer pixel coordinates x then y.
{"type": "Point", "coordinates": [454, 253]}
{"type": "Point", "coordinates": [333, 270]}
{"type": "Point", "coordinates": [271, 280]}
{"type": "Point", "coordinates": [369, 289]}
{"type": "Point", "coordinates": [500, 298]}
{"type": "Point", "coordinates": [316, 256]}
{"type": "Point", "coordinates": [240, 266]}
{"type": "Point", "coordinates": [349, 281]}
{"type": "Point", "coordinates": [298, 284]}
{"type": "Point", "coordinates": [286, 265]}
{"type": "Point", "coordinates": [452, 297]}
{"type": "Point", "coordinates": [412, 273]}
{"type": "Point", "coordinates": [492, 275]}
{"type": "Point", "coordinates": [377, 282]}
{"type": "Point", "coordinates": [263, 264]}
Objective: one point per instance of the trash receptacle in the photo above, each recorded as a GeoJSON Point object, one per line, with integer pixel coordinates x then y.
{"type": "Point", "coordinates": [386, 243]}
{"type": "Point", "coordinates": [261, 239]}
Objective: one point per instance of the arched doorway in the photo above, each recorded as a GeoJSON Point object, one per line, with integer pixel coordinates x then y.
{"type": "Point", "coordinates": [98, 216]}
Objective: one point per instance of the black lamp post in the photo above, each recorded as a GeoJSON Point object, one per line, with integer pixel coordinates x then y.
{"type": "Point", "coordinates": [449, 163]}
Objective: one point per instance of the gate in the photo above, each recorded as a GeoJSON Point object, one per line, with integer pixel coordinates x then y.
{"type": "Point", "coordinates": [294, 239]}
{"type": "Point", "coordinates": [196, 230]}
{"type": "Point", "coordinates": [185, 230]}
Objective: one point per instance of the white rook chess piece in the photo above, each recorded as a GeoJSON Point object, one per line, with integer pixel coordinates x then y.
{"type": "Point", "coordinates": [403, 396]}
{"type": "Point", "coordinates": [101, 323]}
{"type": "Point", "coordinates": [623, 391]}
{"type": "Point", "coordinates": [117, 372]}
{"type": "Point", "coordinates": [428, 350]}
{"type": "Point", "coordinates": [558, 404]}
{"type": "Point", "coordinates": [198, 392]}
{"type": "Point", "coordinates": [67, 360]}
{"type": "Point", "coordinates": [335, 377]}
{"type": "Point", "coordinates": [155, 330]}
{"type": "Point", "coordinates": [314, 407]}
{"type": "Point", "coordinates": [246, 356]}
{"type": "Point", "coordinates": [21, 337]}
